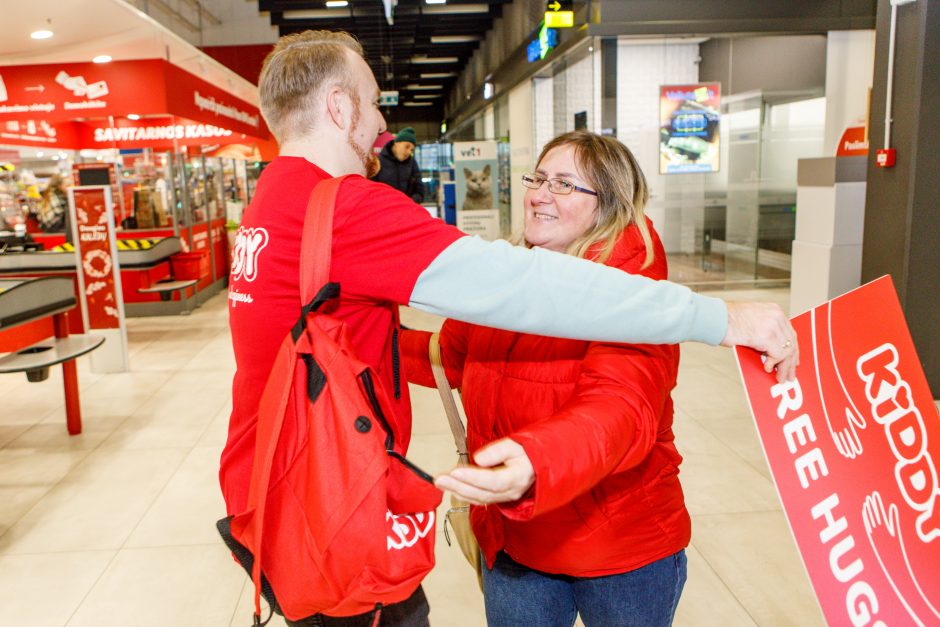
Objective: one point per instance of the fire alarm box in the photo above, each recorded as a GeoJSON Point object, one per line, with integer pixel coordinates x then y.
{"type": "Point", "coordinates": [884, 158]}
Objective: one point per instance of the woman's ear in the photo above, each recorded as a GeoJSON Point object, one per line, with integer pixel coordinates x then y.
{"type": "Point", "coordinates": [338, 107]}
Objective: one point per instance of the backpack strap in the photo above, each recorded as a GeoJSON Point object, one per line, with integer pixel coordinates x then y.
{"type": "Point", "coordinates": [315, 289]}
{"type": "Point", "coordinates": [317, 243]}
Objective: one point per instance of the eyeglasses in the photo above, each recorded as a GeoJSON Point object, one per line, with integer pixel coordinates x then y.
{"type": "Point", "coordinates": [555, 186]}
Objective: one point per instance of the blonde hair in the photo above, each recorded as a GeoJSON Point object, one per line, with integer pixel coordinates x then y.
{"type": "Point", "coordinates": [613, 172]}
{"type": "Point", "coordinates": [294, 73]}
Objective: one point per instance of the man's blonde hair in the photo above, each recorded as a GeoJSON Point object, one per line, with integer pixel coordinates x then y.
{"type": "Point", "coordinates": [621, 188]}
{"type": "Point", "coordinates": [294, 74]}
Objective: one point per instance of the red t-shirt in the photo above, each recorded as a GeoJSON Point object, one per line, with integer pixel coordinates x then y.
{"type": "Point", "coordinates": [382, 242]}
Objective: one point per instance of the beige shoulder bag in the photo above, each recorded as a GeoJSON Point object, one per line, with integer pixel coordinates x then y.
{"type": "Point", "coordinates": [458, 516]}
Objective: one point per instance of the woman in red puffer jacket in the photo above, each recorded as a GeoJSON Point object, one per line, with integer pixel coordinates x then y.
{"type": "Point", "coordinates": [578, 503]}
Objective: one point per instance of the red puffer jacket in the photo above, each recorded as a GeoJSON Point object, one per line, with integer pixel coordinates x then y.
{"type": "Point", "coordinates": [596, 422]}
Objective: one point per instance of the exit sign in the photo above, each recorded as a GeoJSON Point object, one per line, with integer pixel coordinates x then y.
{"type": "Point", "coordinates": [388, 98]}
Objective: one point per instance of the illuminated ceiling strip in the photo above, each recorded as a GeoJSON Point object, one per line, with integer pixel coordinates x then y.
{"type": "Point", "coordinates": [454, 39]}
{"type": "Point", "coordinates": [432, 60]}
{"type": "Point", "coordinates": [456, 8]}
{"type": "Point", "coordinates": [316, 14]}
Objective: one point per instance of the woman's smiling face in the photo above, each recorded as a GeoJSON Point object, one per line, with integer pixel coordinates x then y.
{"type": "Point", "coordinates": [554, 221]}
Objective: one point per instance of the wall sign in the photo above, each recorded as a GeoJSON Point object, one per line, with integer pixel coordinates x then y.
{"type": "Point", "coordinates": [853, 444]}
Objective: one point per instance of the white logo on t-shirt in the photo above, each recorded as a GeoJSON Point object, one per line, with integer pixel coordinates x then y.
{"type": "Point", "coordinates": [249, 242]}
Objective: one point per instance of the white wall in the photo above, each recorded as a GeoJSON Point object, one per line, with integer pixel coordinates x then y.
{"type": "Point", "coordinates": [543, 101]}
{"type": "Point", "coordinates": [641, 70]}
{"type": "Point", "coordinates": [850, 61]}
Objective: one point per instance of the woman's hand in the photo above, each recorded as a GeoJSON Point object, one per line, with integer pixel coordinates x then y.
{"type": "Point", "coordinates": [503, 473]}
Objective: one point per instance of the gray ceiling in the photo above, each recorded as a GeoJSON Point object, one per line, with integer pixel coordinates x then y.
{"type": "Point", "coordinates": [419, 29]}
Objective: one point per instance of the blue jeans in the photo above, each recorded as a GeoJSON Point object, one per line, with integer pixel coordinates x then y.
{"type": "Point", "coordinates": [517, 596]}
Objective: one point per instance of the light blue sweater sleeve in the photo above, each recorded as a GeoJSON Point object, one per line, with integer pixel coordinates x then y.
{"type": "Point", "coordinates": [546, 293]}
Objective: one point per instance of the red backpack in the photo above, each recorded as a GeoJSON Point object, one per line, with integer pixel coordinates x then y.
{"type": "Point", "coordinates": [338, 522]}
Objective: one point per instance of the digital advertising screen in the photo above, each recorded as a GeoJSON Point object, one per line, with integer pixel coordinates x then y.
{"type": "Point", "coordinates": [689, 119]}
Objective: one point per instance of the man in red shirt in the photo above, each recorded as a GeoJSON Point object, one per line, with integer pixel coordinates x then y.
{"type": "Point", "coordinates": [320, 100]}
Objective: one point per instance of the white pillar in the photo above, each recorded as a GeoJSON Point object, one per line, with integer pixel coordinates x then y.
{"type": "Point", "coordinates": [521, 149]}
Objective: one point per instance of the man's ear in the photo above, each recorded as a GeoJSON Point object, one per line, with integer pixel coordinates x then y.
{"type": "Point", "coordinates": [338, 106]}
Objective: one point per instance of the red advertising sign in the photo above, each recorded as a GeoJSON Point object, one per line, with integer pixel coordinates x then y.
{"type": "Point", "coordinates": [70, 91]}
{"type": "Point", "coordinates": [853, 444]}
{"type": "Point", "coordinates": [853, 143]}
{"type": "Point", "coordinates": [98, 257]}
{"type": "Point", "coordinates": [160, 133]}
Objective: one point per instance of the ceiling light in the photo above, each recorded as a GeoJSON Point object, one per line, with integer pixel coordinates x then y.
{"type": "Point", "coordinates": [431, 60]}
{"type": "Point", "coordinates": [133, 116]}
{"type": "Point", "coordinates": [416, 87]}
{"type": "Point", "coordinates": [102, 58]}
{"type": "Point", "coordinates": [438, 74]}
{"type": "Point", "coordinates": [418, 104]}
{"type": "Point", "coordinates": [41, 34]}
{"type": "Point", "coordinates": [457, 8]}
{"type": "Point", "coordinates": [426, 96]}
{"type": "Point", "coordinates": [337, 4]}
{"type": "Point", "coordinates": [436, 1]}
{"type": "Point", "coordinates": [454, 39]}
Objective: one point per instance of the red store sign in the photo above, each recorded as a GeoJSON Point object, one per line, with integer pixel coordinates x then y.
{"type": "Point", "coordinates": [61, 93]}
{"type": "Point", "coordinates": [97, 254]}
{"type": "Point", "coordinates": [853, 444]}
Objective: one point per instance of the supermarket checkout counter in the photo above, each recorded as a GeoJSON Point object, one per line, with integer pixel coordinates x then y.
{"type": "Point", "coordinates": [131, 255]}
{"type": "Point", "coordinates": [34, 335]}
{"type": "Point", "coordinates": [148, 284]}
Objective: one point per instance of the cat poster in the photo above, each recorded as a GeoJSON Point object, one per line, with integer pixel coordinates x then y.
{"type": "Point", "coordinates": [476, 167]}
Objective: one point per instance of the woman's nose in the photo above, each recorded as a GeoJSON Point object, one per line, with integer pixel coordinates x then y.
{"type": "Point", "coordinates": [542, 195]}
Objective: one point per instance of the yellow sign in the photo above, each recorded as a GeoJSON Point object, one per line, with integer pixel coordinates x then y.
{"type": "Point", "coordinates": [559, 19]}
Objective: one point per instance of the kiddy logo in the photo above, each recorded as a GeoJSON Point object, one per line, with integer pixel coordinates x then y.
{"type": "Point", "coordinates": [248, 245]}
{"type": "Point", "coordinates": [405, 530]}
{"type": "Point", "coordinates": [473, 151]}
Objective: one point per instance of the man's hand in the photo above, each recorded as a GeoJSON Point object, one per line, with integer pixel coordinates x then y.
{"type": "Point", "coordinates": [764, 327]}
{"type": "Point", "coordinates": [503, 473]}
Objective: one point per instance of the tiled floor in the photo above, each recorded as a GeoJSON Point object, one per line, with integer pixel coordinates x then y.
{"type": "Point", "coordinates": [115, 526]}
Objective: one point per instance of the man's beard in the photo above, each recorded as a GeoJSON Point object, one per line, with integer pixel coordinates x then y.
{"type": "Point", "coordinates": [370, 161]}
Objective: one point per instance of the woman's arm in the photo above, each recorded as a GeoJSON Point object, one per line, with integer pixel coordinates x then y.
{"type": "Point", "coordinates": [608, 425]}
{"type": "Point", "coordinates": [417, 362]}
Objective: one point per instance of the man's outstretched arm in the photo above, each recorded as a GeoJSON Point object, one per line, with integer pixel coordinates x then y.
{"type": "Point", "coordinates": [546, 293]}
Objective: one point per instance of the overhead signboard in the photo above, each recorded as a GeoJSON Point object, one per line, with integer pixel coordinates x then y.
{"type": "Point", "coordinates": [559, 19]}
{"type": "Point", "coordinates": [388, 98]}
{"type": "Point", "coordinates": [57, 93]}
{"type": "Point", "coordinates": [558, 14]}
{"type": "Point", "coordinates": [853, 444]}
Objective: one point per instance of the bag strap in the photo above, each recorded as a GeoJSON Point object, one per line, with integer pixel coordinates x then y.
{"type": "Point", "coordinates": [447, 397]}
{"type": "Point", "coordinates": [315, 251]}
{"type": "Point", "coordinates": [260, 489]}
{"type": "Point", "coordinates": [317, 243]}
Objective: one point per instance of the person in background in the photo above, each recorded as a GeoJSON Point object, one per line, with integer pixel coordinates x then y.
{"type": "Point", "coordinates": [399, 168]}
{"type": "Point", "coordinates": [321, 102]}
{"type": "Point", "coordinates": [54, 207]}
{"type": "Point", "coordinates": [594, 522]}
